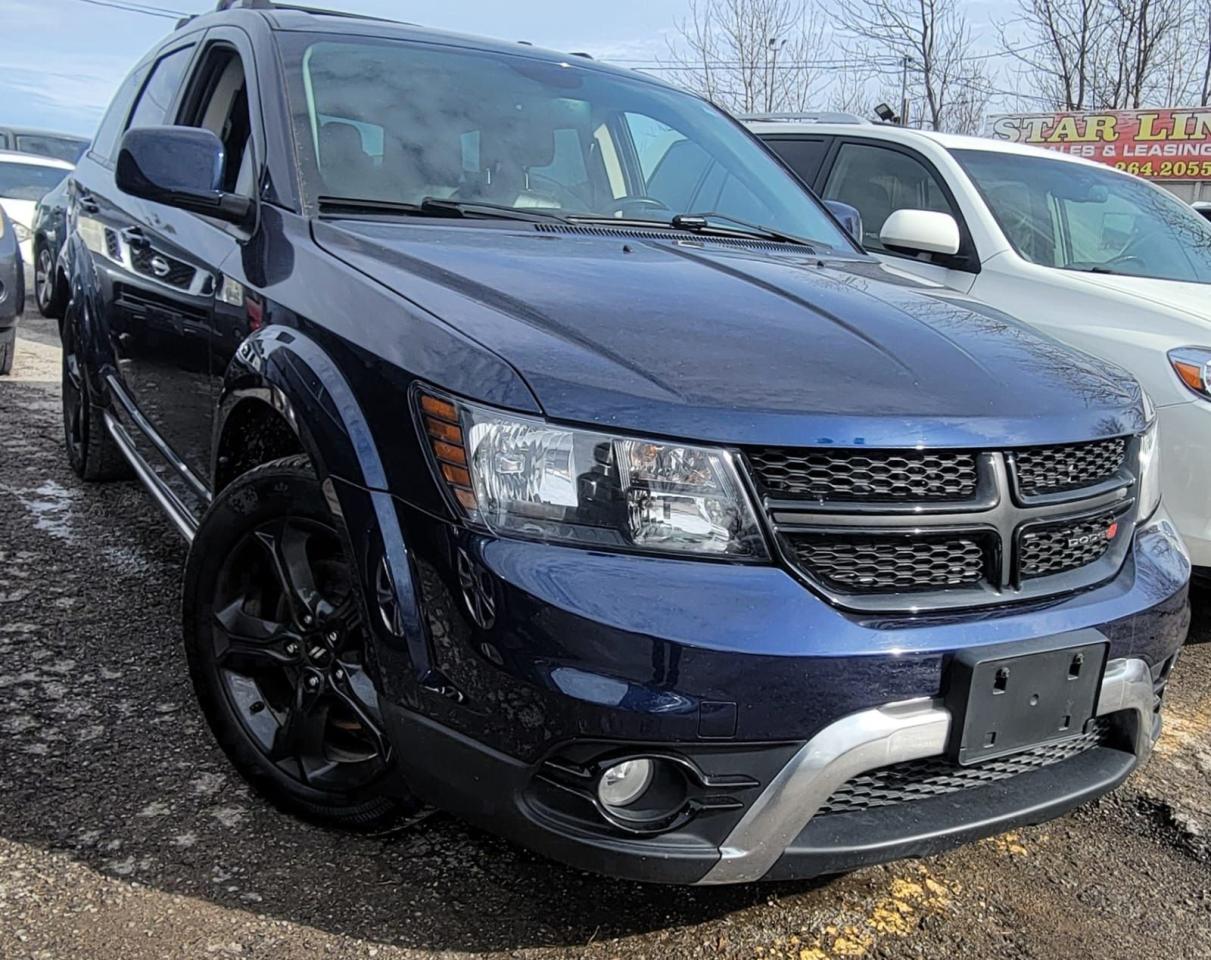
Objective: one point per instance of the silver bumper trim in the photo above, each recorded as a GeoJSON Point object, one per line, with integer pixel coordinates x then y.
{"type": "Point", "coordinates": [911, 730]}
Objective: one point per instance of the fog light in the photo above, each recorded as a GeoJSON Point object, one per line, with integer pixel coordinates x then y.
{"type": "Point", "coordinates": [625, 782]}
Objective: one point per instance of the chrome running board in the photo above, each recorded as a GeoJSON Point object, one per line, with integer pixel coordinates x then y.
{"type": "Point", "coordinates": [169, 502]}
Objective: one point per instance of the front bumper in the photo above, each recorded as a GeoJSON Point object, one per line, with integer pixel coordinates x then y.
{"type": "Point", "coordinates": [542, 661]}
{"type": "Point", "coordinates": [780, 836]}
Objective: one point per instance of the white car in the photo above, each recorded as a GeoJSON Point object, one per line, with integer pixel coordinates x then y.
{"type": "Point", "coordinates": [1103, 260]}
{"type": "Point", "coordinates": [24, 178]}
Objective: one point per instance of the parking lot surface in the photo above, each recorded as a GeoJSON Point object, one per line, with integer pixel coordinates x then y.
{"type": "Point", "coordinates": [124, 833]}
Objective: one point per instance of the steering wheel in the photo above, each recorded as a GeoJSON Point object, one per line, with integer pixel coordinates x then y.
{"type": "Point", "coordinates": [647, 203]}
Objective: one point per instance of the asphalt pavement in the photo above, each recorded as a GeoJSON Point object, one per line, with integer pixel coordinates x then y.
{"type": "Point", "coordinates": [124, 834]}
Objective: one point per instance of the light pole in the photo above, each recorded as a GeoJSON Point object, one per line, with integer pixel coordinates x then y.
{"type": "Point", "coordinates": [904, 91]}
{"type": "Point", "coordinates": [775, 45]}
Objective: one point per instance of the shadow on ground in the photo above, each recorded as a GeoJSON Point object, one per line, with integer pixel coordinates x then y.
{"type": "Point", "coordinates": [105, 757]}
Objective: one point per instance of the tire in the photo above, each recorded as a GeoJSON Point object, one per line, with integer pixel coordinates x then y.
{"type": "Point", "coordinates": [279, 654]}
{"type": "Point", "coordinates": [92, 453]}
{"type": "Point", "coordinates": [48, 292]}
{"type": "Point", "coordinates": [8, 348]}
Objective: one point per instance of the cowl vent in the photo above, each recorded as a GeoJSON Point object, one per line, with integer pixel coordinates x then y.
{"type": "Point", "coordinates": [633, 233]}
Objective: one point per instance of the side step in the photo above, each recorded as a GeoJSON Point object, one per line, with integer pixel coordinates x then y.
{"type": "Point", "coordinates": [177, 512]}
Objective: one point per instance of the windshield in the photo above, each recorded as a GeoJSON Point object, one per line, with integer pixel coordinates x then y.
{"type": "Point", "coordinates": [1061, 214]}
{"type": "Point", "coordinates": [399, 122]}
{"type": "Point", "coordinates": [28, 181]}
{"type": "Point", "coordinates": [70, 149]}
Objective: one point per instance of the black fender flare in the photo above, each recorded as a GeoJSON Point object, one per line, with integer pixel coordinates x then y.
{"type": "Point", "coordinates": [291, 373]}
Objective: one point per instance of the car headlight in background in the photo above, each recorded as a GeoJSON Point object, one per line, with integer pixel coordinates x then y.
{"type": "Point", "coordinates": [1149, 466]}
{"type": "Point", "coordinates": [22, 232]}
{"type": "Point", "coordinates": [526, 477]}
{"type": "Point", "coordinates": [1193, 367]}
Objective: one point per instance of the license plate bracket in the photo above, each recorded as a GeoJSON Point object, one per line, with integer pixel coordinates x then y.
{"type": "Point", "coordinates": [1003, 702]}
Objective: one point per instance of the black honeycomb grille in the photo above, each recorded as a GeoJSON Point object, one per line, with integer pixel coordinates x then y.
{"type": "Point", "coordinates": [870, 475]}
{"type": "Point", "coordinates": [937, 776]}
{"type": "Point", "coordinates": [890, 564]}
{"type": "Point", "coordinates": [1059, 548]}
{"type": "Point", "coordinates": [1057, 469]}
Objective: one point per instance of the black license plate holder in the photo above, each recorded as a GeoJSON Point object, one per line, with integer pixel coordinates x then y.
{"type": "Point", "coordinates": [1002, 703]}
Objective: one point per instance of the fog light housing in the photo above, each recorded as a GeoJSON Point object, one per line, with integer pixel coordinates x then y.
{"type": "Point", "coordinates": [624, 783]}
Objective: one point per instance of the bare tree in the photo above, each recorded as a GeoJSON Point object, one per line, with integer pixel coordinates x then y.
{"type": "Point", "coordinates": [932, 37]}
{"type": "Point", "coordinates": [749, 55]}
{"type": "Point", "coordinates": [1096, 54]}
{"type": "Point", "coordinates": [1206, 94]}
{"type": "Point", "coordinates": [1058, 47]}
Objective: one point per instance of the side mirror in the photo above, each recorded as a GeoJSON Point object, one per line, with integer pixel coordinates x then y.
{"type": "Point", "coordinates": [921, 231]}
{"type": "Point", "coordinates": [179, 167]}
{"type": "Point", "coordinates": [848, 216]}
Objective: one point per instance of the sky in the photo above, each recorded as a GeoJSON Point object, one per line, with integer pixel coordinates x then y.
{"type": "Point", "coordinates": [61, 60]}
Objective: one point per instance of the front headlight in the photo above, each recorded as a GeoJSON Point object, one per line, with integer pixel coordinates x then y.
{"type": "Point", "coordinates": [1150, 466]}
{"type": "Point", "coordinates": [520, 476]}
{"type": "Point", "coordinates": [21, 232]}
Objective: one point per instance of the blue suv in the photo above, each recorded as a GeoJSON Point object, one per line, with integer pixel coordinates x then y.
{"type": "Point", "coordinates": [550, 456]}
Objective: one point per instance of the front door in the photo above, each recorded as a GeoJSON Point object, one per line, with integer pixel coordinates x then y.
{"type": "Point", "coordinates": [159, 292]}
{"type": "Point", "coordinates": [880, 179]}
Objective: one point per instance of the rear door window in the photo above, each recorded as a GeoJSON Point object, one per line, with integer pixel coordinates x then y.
{"type": "Point", "coordinates": [804, 155]}
{"type": "Point", "coordinates": [105, 143]}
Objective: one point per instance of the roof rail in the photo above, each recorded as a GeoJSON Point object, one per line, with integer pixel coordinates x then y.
{"type": "Point", "coordinates": [295, 8]}
{"type": "Point", "coordinates": [820, 116]}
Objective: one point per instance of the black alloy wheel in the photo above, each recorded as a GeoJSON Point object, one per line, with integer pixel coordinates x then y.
{"type": "Point", "coordinates": [92, 453]}
{"type": "Point", "coordinates": [279, 651]}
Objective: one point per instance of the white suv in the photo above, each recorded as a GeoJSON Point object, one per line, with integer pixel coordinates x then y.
{"type": "Point", "coordinates": [1101, 259]}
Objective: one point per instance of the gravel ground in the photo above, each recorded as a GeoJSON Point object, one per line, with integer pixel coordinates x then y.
{"type": "Point", "coordinates": [124, 834]}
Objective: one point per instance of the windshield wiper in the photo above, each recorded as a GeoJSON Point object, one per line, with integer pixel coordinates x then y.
{"type": "Point", "coordinates": [357, 205]}
{"type": "Point", "coordinates": [701, 223]}
{"type": "Point", "coordinates": [478, 208]}
{"type": "Point", "coordinates": [431, 207]}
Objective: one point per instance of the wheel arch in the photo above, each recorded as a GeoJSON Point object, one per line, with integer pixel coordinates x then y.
{"type": "Point", "coordinates": [288, 395]}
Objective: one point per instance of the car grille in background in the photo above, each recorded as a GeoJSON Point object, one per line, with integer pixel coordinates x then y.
{"type": "Point", "coordinates": [1059, 548]}
{"type": "Point", "coordinates": [179, 274]}
{"type": "Point", "coordinates": [864, 475]}
{"type": "Point", "coordinates": [890, 564]}
{"type": "Point", "coordinates": [937, 776]}
{"type": "Point", "coordinates": [1057, 469]}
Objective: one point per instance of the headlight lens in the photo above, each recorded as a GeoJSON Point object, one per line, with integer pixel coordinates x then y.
{"type": "Point", "coordinates": [1150, 467]}
{"type": "Point", "coordinates": [1193, 368]}
{"type": "Point", "coordinates": [526, 477]}
{"type": "Point", "coordinates": [21, 232]}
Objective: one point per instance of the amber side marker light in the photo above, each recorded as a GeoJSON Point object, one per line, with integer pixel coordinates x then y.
{"type": "Point", "coordinates": [1193, 367]}
{"type": "Point", "coordinates": [446, 440]}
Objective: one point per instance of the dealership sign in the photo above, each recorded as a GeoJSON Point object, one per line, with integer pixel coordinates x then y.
{"type": "Point", "coordinates": [1170, 144]}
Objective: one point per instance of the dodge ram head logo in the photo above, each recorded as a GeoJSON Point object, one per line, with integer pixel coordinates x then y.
{"type": "Point", "coordinates": [1090, 538]}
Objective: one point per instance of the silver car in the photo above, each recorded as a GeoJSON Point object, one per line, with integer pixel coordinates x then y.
{"type": "Point", "coordinates": [12, 291]}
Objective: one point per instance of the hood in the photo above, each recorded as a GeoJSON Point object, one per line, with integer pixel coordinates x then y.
{"type": "Point", "coordinates": [1188, 299]}
{"type": "Point", "coordinates": [739, 343]}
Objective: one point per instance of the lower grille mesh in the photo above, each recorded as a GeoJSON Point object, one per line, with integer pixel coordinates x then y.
{"type": "Point", "coordinates": [936, 776]}
{"type": "Point", "coordinates": [886, 565]}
